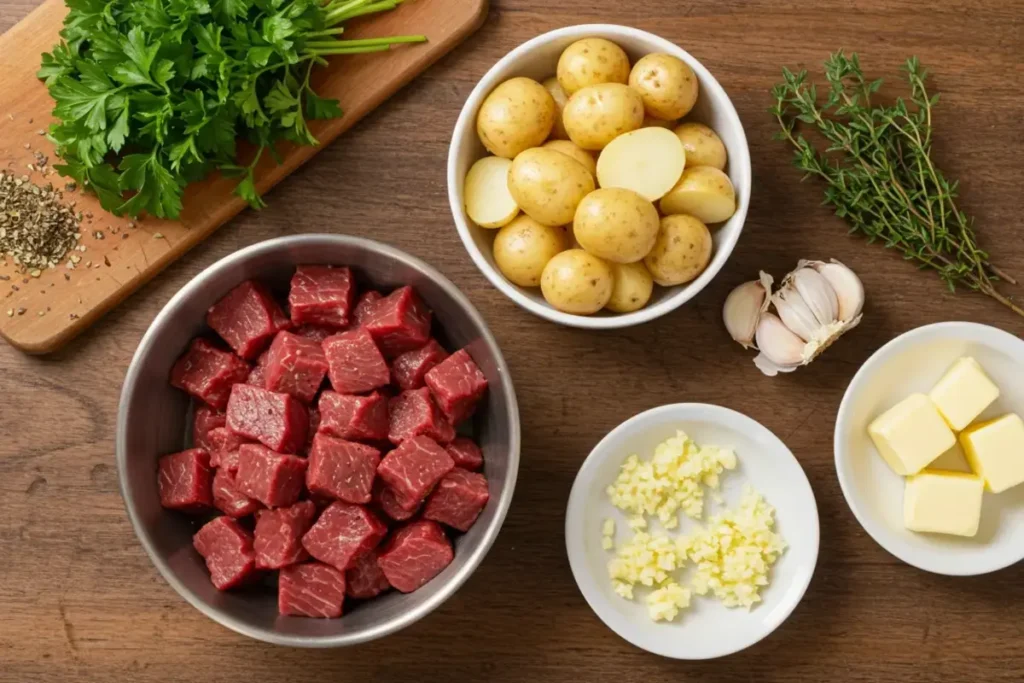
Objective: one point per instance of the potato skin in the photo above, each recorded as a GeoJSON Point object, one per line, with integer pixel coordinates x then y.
{"type": "Point", "coordinates": [597, 114]}
{"type": "Point", "coordinates": [591, 61]}
{"type": "Point", "coordinates": [681, 252]}
{"type": "Point", "coordinates": [577, 282]}
{"type": "Point", "coordinates": [631, 289]}
{"type": "Point", "coordinates": [616, 224]}
{"type": "Point", "coordinates": [516, 115]}
{"type": "Point", "coordinates": [548, 185]}
{"type": "Point", "coordinates": [568, 148]}
{"type": "Point", "coordinates": [523, 247]}
{"type": "Point", "coordinates": [560, 97]}
{"type": "Point", "coordinates": [703, 146]}
{"type": "Point", "coordinates": [667, 85]}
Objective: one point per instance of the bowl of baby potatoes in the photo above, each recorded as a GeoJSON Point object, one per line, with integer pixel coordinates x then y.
{"type": "Point", "coordinates": [599, 176]}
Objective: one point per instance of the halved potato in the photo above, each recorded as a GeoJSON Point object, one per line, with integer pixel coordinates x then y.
{"type": "Point", "coordinates": [704, 192]}
{"type": "Point", "coordinates": [488, 200]}
{"type": "Point", "coordinates": [648, 161]}
{"type": "Point", "coordinates": [560, 97]}
{"type": "Point", "coordinates": [703, 146]}
{"type": "Point", "coordinates": [570, 149]}
{"type": "Point", "coordinates": [632, 287]}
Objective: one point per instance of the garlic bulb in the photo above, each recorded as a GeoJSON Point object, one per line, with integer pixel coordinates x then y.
{"type": "Point", "coordinates": [744, 306]}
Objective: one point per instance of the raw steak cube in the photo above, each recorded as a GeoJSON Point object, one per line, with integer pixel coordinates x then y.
{"type": "Point", "coordinates": [343, 534]}
{"type": "Point", "coordinates": [279, 535]}
{"type": "Point", "coordinates": [366, 306]}
{"type": "Point", "coordinates": [354, 417]}
{"type": "Point", "coordinates": [228, 499]}
{"type": "Point", "coordinates": [415, 554]}
{"type": "Point", "coordinates": [365, 579]}
{"type": "Point", "coordinates": [458, 499]}
{"type": "Point", "coordinates": [321, 295]}
{"type": "Point", "coordinates": [457, 385]}
{"type": "Point", "coordinates": [391, 503]}
{"type": "Point", "coordinates": [208, 373]}
{"type": "Point", "coordinates": [310, 590]}
{"type": "Point", "coordinates": [258, 373]}
{"type": "Point", "coordinates": [274, 479]}
{"type": "Point", "coordinates": [414, 413]}
{"type": "Point", "coordinates": [415, 467]}
{"type": "Point", "coordinates": [409, 369]}
{"type": "Point", "coordinates": [314, 426]}
{"type": "Point", "coordinates": [295, 366]}
{"type": "Point", "coordinates": [247, 318]}
{"type": "Point", "coordinates": [205, 419]}
{"type": "Point", "coordinates": [341, 469]}
{"type": "Point", "coordinates": [227, 548]}
{"type": "Point", "coordinates": [399, 322]}
{"type": "Point", "coordinates": [185, 480]}
{"type": "Point", "coordinates": [224, 445]}
{"type": "Point", "coordinates": [314, 332]}
{"type": "Point", "coordinates": [354, 362]}
{"type": "Point", "coordinates": [465, 453]}
{"type": "Point", "coordinates": [278, 421]}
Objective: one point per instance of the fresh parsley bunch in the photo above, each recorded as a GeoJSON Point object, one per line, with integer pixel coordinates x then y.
{"type": "Point", "coordinates": [153, 94]}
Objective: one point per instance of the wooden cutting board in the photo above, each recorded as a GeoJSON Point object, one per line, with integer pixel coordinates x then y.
{"type": "Point", "coordinates": [38, 315]}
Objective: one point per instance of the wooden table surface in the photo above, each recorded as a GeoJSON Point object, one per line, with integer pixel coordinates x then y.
{"type": "Point", "coordinates": [80, 600]}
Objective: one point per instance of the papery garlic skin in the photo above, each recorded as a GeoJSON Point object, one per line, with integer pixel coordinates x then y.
{"type": "Point", "coordinates": [744, 306]}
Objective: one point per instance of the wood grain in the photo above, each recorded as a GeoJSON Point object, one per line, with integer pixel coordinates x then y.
{"type": "Point", "coordinates": [81, 601]}
{"type": "Point", "coordinates": [125, 254]}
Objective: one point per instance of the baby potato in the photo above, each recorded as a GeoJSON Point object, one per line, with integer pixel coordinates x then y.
{"type": "Point", "coordinates": [517, 115]}
{"type": "Point", "coordinates": [666, 83]}
{"type": "Point", "coordinates": [547, 185]}
{"type": "Point", "coordinates": [591, 61]}
{"type": "Point", "coordinates": [681, 252]}
{"type": "Point", "coordinates": [703, 146]}
{"type": "Point", "coordinates": [704, 192]}
{"type": "Point", "coordinates": [597, 114]}
{"type": "Point", "coordinates": [577, 282]}
{"type": "Point", "coordinates": [568, 148]}
{"type": "Point", "coordinates": [616, 224]}
{"type": "Point", "coordinates": [648, 161]}
{"type": "Point", "coordinates": [651, 122]}
{"type": "Point", "coordinates": [631, 289]}
{"type": "Point", "coordinates": [523, 247]}
{"type": "Point", "coordinates": [488, 200]}
{"type": "Point", "coordinates": [560, 98]}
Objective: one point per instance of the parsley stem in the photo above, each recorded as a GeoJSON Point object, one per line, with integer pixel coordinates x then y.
{"type": "Point", "coordinates": [337, 16]}
{"type": "Point", "coordinates": [359, 42]}
{"type": "Point", "coordinates": [326, 32]}
{"type": "Point", "coordinates": [323, 51]}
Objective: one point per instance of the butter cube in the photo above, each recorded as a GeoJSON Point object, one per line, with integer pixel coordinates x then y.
{"type": "Point", "coordinates": [943, 502]}
{"type": "Point", "coordinates": [963, 393]}
{"type": "Point", "coordinates": [995, 451]}
{"type": "Point", "coordinates": [911, 434]}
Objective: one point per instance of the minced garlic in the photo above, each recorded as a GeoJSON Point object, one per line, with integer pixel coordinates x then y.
{"type": "Point", "coordinates": [664, 603]}
{"type": "Point", "coordinates": [646, 559]}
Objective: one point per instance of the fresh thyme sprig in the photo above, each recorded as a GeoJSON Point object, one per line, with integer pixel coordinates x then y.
{"type": "Point", "coordinates": [880, 173]}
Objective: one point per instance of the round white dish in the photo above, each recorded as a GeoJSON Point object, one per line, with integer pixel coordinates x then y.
{"type": "Point", "coordinates": [706, 629]}
{"type": "Point", "coordinates": [914, 362]}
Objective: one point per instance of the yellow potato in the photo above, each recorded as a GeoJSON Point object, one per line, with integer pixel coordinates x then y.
{"type": "Point", "coordinates": [651, 122]}
{"type": "Point", "coordinates": [681, 252]}
{"type": "Point", "coordinates": [568, 148]}
{"type": "Point", "coordinates": [517, 115]}
{"type": "Point", "coordinates": [560, 97]}
{"type": "Point", "coordinates": [667, 85]}
{"type": "Point", "coordinates": [547, 185]}
{"type": "Point", "coordinates": [704, 192]}
{"type": "Point", "coordinates": [523, 247]}
{"type": "Point", "coordinates": [591, 61]}
{"type": "Point", "coordinates": [648, 161]}
{"type": "Point", "coordinates": [577, 282]}
{"type": "Point", "coordinates": [632, 287]}
{"type": "Point", "coordinates": [616, 224]}
{"type": "Point", "coordinates": [488, 200]}
{"type": "Point", "coordinates": [597, 114]}
{"type": "Point", "coordinates": [703, 146]}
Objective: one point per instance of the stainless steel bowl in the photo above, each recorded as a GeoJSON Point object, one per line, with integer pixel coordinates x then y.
{"type": "Point", "coordinates": [152, 421]}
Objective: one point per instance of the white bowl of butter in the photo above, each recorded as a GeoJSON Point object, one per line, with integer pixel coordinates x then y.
{"type": "Point", "coordinates": [904, 372]}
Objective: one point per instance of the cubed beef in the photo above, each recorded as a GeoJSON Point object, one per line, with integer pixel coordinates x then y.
{"type": "Point", "coordinates": [458, 499]}
{"type": "Point", "coordinates": [227, 548]}
{"type": "Point", "coordinates": [205, 419]}
{"type": "Point", "coordinates": [415, 554]}
{"type": "Point", "coordinates": [310, 590]}
{"type": "Point", "coordinates": [279, 535]}
{"type": "Point", "coordinates": [208, 373]}
{"type": "Point", "coordinates": [391, 503]}
{"type": "Point", "coordinates": [274, 479]}
{"type": "Point", "coordinates": [321, 295]}
{"type": "Point", "coordinates": [295, 365]}
{"type": "Point", "coordinates": [399, 322]}
{"type": "Point", "coordinates": [315, 332]}
{"type": "Point", "coordinates": [465, 453]}
{"type": "Point", "coordinates": [409, 369]}
{"type": "Point", "coordinates": [415, 467]}
{"type": "Point", "coordinates": [457, 385]}
{"type": "Point", "coordinates": [343, 534]}
{"type": "Point", "coordinates": [413, 413]}
{"type": "Point", "coordinates": [228, 499]}
{"type": "Point", "coordinates": [355, 365]}
{"type": "Point", "coordinates": [258, 374]}
{"type": "Point", "coordinates": [185, 480]}
{"type": "Point", "coordinates": [247, 319]}
{"type": "Point", "coordinates": [354, 417]}
{"type": "Point", "coordinates": [224, 445]}
{"type": "Point", "coordinates": [365, 579]}
{"type": "Point", "coordinates": [365, 308]}
{"type": "Point", "coordinates": [278, 421]}
{"type": "Point", "coordinates": [341, 469]}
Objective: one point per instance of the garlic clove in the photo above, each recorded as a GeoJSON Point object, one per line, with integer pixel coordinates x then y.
{"type": "Point", "coordinates": [744, 306]}
{"type": "Point", "coordinates": [778, 343]}
{"type": "Point", "coordinates": [769, 368]}
{"type": "Point", "coordinates": [795, 313]}
{"type": "Point", "coordinates": [816, 292]}
{"type": "Point", "coordinates": [847, 286]}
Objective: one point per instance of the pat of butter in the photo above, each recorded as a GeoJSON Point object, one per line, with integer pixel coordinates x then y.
{"type": "Point", "coordinates": [963, 393]}
{"type": "Point", "coordinates": [911, 434]}
{"type": "Point", "coordinates": [995, 451]}
{"type": "Point", "coordinates": [943, 502]}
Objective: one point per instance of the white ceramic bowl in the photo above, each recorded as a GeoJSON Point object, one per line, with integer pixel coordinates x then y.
{"type": "Point", "coordinates": [914, 362]}
{"type": "Point", "coordinates": [536, 59]}
{"type": "Point", "coordinates": [706, 629]}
